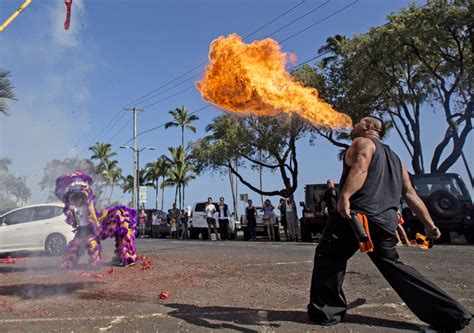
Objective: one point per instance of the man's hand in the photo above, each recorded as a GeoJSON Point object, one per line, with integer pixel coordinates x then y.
{"type": "Point", "coordinates": [343, 207]}
{"type": "Point", "coordinates": [432, 232]}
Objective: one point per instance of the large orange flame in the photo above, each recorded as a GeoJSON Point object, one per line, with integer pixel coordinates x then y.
{"type": "Point", "coordinates": [251, 78]}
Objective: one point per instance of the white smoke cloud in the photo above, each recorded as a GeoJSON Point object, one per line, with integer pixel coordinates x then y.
{"type": "Point", "coordinates": [50, 69]}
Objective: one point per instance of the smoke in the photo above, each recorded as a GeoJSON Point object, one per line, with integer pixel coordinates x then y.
{"type": "Point", "coordinates": [50, 69]}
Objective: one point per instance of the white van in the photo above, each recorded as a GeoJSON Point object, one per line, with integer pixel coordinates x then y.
{"type": "Point", "coordinates": [197, 223]}
{"type": "Point", "coordinates": [35, 228]}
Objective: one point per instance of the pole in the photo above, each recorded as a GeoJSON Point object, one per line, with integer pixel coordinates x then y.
{"type": "Point", "coordinates": [135, 157]}
{"type": "Point", "coordinates": [138, 179]}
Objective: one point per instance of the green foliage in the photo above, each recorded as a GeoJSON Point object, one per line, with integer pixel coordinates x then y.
{"type": "Point", "coordinates": [422, 58]}
{"type": "Point", "coordinates": [13, 190]}
{"type": "Point", "coordinates": [240, 141]}
{"type": "Point", "coordinates": [183, 120]}
{"type": "Point", "coordinates": [6, 91]}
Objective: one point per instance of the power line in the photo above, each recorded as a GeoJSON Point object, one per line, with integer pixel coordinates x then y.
{"type": "Point", "coordinates": [298, 18]}
{"type": "Point", "coordinates": [164, 124]}
{"type": "Point", "coordinates": [292, 36]}
{"type": "Point", "coordinates": [320, 21]}
{"type": "Point", "coordinates": [100, 133]}
{"type": "Point", "coordinates": [139, 100]}
{"type": "Point", "coordinates": [284, 40]}
{"type": "Point", "coordinates": [274, 20]}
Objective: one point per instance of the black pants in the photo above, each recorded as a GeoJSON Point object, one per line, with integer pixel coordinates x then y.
{"type": "Point", "coordinates": [154, 231]}
{"type": "Point", "coordinates": [224, 229]}
{"type": "Point", "coordinates": [328, 305]}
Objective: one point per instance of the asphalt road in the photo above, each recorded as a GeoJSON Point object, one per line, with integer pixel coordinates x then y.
{"type": "Point", "coordinates": [215, 286]}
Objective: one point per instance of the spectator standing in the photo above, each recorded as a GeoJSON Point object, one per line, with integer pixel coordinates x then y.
{"type": "Point", "coordinates": [251, 215]}
{"type": "Point", "coordinates": [269, 219]}
{"type": "Point", "coordinates": [184, 224]}
{"type": "Point", "coordinates": [154, 224]}
{"type": "Point", "coordinates": [282, 209]}
{"type": "Point", "coordinates": [292, 219]}
{"type": "Point", "coordinates": [330, 198]}
{"type": "Point", "coordinates": [174, 214]}
{"type": "Point", "coordinates": [210, 218]}
{"type": "Point", "coordinates": [142, 223]}
{"type": "Point", "coordinates": [223, 219]}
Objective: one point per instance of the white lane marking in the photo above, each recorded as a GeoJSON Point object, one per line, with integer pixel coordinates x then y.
{"type": "Point", "coordinates": [113, 318]}
{"type": "Point", "coordinates": [280, 263]}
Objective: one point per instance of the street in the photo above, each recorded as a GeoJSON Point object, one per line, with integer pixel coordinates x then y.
{"type": "Point", "coordinates": [226, 286]}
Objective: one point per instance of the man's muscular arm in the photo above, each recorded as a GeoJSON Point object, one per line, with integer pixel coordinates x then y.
{"type": "Point", "coordinates": [417, 205]}
{"type": "Point", "coordinates": [358, 158]}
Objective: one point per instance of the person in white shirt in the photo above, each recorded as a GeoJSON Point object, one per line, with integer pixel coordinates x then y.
{"type": "Point", "coordinates": [210, 217]}
{"type": "Point", "coordinates": [154, 224]}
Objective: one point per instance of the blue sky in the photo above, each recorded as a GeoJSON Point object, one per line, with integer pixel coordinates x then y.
{"type": "Point", "coordinates": [71, 84]}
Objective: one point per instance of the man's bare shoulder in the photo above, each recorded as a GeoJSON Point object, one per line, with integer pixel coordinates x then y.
{"type": "Point", "coordinates": [359, 144]}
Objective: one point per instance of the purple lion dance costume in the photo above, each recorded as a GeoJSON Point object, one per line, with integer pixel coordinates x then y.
{"type": "Point", "coordinates": [75, 190]}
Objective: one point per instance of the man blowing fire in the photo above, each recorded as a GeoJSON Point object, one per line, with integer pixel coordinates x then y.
{"type": "Point", "coordinates": [372, 183]}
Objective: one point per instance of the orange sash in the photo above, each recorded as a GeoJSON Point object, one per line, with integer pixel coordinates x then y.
{"type": "Point", "coordinates": [365, 246]}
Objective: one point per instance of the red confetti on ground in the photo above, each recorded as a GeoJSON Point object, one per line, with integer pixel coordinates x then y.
{"type": "Point", "coordinates": [110, 271]}
{"type": "Point", "coordinates": [142, 257]}
{"type": "Point", "coordinates": [146, 265]}
{"type": "Point", "coordinates": [164, 294]}
{"type": "Point", "coordinates": [12, 261]}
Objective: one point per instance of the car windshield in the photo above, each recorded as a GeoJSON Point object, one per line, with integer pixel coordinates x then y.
{"type": "Point", "coordinates": [425, 186]}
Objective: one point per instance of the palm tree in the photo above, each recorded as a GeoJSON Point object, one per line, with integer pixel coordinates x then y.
{"type": "Point", "coordinates": [180, 172]}
{"type": "Point", "coordinates": [180, 175]}
{"type": "Point", "coordinates": [103, 152]}
{"type": "Point", "coordinates": [6, 91]}
{"type": "Point", "coordinates": [112, 178]}
{"type": "Point", "coordinates": [182, 119]}
{"type": "Point", "coordinates": [127, 184]}
{"type": "Point", "coordinates": [155, 171]}
{"type": "Point", "coordinates": [334, 45]}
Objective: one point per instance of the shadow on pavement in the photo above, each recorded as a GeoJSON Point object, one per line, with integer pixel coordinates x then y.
{"type": "Point", "coordinates": [38, 291]}
{"type": "Point", "coordinates": [232, 318]}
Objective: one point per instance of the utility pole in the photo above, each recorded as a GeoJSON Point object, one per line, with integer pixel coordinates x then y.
{"type": "Point", "coordinates": [135, 157]}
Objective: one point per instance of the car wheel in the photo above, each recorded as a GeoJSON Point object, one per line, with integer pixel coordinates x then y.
{"type": "Point", "coordinates": [55, 244]}
{"type": "Point", "coordinates": [444, 204]}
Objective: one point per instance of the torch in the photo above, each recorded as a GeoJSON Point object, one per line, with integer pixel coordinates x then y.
{"type": "Point", "coordinates": [358, 229]}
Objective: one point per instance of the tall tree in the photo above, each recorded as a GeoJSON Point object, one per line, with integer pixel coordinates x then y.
{"type": "Point", "coordinates": [6, 91]}
{"type": "Point", "coordinates": [154, 172]}
{"type": "Point", "coordinates": [182, 119]}
{"type": "Point", "coordinates": [241, 139]}
{"type": "Point", "coordinates": [102, 152]}
{"type": "Point", "coordinates": [422, 59]}
{"type": "Point", "coordinates": [180, 173]}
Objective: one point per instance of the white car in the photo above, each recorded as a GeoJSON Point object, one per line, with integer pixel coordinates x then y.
{"type": "Point", "coordinates": [35, 228]}
{"type": "Point", "coordinates": [197, 222]}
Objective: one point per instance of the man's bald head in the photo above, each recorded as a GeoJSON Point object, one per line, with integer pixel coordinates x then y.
{"type": "Point", "coordinates": [376, 124]}
{"type": "Point", "coordinates": [369, 126]}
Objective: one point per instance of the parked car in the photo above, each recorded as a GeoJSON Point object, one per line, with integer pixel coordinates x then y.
{"type": "Point", "coordinates": [448, 202]}
{"type": "Point", "coordinates": [35, 228]}
{"type": "Point", "coordinates": [313, 221]}
{"type": "Point", "coordinates": [261, 227]}
{"type": "Point", "coordinates": [197, 223]}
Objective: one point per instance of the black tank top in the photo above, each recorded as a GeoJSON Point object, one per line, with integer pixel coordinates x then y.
{"type": "Point", "coordinates": [380, 195]}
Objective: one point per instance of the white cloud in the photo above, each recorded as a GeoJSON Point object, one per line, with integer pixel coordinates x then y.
{"type": "Point", "coordinates": [50, 71]}
{"type": "Point", "coordinates": [71, 37]}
